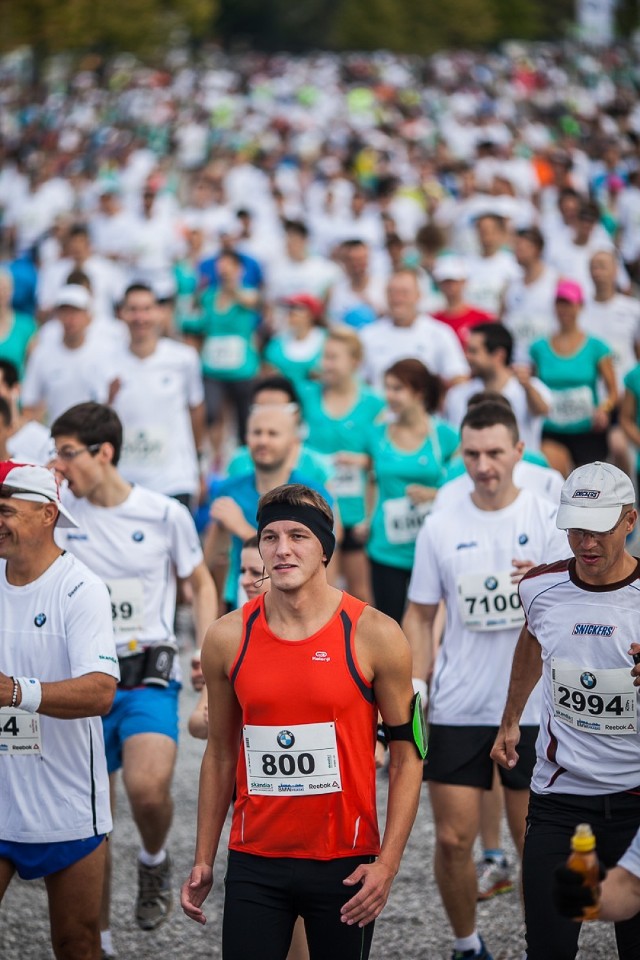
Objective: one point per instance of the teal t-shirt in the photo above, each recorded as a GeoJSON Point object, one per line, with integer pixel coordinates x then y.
{"type": "Point", "coordinates": [396, 521]}
{"type": "Point", "coordinates": [230, 349]}
{"type": "Point", "coordinates": [186, 277]}
{"type": "Point", "coordinates": [632, 383]}
{"type": "Point", "coordinates": [573, 382]}
{"type": "Point", "coordinates": [278, 354]}
{"type": "Point", "coordinates": [14, 345]}
{"type": "Point", "coordinates": [331, 435]}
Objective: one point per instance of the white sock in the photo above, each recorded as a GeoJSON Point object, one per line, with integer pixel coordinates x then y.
{"type": "Point", "coordinates": [105, 941]}
{"type": "Point", "coordinates": [468, 943]}
{"type": "Point", "coordinates": [152, 859]}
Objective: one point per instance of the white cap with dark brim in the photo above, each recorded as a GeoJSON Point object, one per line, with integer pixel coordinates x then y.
{"type": "Point", "coordinates": [593, 496]}
{"type": "Point", "coordinates": [27, 481]}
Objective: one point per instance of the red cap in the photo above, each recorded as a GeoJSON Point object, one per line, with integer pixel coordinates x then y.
{"type": "Point", "coordinates": [312, 304]}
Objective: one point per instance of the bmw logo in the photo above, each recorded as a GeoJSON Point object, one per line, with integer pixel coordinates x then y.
{"type": "Point", "coordinates": [491, 583]}
{"type": "Point", "coordinates": [588, 680]}
{"type": "Point", "coordinates": [523, 538]}
{"type": "Point", "coordinates": [138, 536]}
{"type": "Point", "coordinates": [40, 620]}
{"type": "Point", "coordinates": [285, 739]}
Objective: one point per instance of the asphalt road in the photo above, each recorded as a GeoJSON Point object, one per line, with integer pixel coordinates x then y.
{"type": "Point", "coordinates": [413, 926]}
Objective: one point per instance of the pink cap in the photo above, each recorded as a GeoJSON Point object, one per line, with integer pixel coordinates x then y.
{"type": "Point", "coordinates": [569, 290]}
{"type": "Point", "coordinates": [26, 481]}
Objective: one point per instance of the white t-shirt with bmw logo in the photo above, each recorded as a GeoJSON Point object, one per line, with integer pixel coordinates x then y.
{"type": "Point", "coordinates": [54, 785]}
{"type": "Point", "coordinates": [138, 548]}
{"type": "Point", "coordinates": [589, 742]}
{"type": "Point", "coordinates": [464, 557]}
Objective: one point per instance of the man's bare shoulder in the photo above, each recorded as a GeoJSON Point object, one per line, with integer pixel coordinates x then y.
{"type": "Point", "coordinates": [221, 641]}
{"type": "Point", "coordinates": [378, 632]}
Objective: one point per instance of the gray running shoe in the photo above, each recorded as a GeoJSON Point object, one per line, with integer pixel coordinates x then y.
{"type": "Point", "coordinates": [493, 878]}
{"type": "Point", "coordinates": [154, 894]}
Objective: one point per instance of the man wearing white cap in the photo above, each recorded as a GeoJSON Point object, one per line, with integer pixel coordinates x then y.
{"type": "Point", "coordinates": [58, 674]}
{"type": "Point", "coordinates": [62, 373]}
{"type": "Point", "coordinates": [451, 274]}
{"type": "Point", "coordinates": [580, 634]}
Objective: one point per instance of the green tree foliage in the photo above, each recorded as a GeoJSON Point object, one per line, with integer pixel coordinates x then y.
{"type": "Point", "coordinates": [137, 26]}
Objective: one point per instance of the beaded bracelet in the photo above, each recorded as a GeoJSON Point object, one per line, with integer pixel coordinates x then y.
{"type": "Point", "coordinates": [14, 695]}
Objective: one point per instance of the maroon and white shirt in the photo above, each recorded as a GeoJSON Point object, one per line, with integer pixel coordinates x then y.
{"type": "Point", "coordinates": [588, 742]}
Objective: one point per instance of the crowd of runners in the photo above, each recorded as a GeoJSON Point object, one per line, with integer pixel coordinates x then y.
{"type": "Point", "coordinates": [337, 356]}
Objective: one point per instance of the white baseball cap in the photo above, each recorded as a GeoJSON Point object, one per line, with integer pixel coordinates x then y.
{"type": "Point", "coordinates": [26, 481]}
{"type": "Point", "coordinates": [593, 496]}
{"type": "Point", "coordinates": [73, 295]}
{"type": "Point", "coordinates": [450, 268]}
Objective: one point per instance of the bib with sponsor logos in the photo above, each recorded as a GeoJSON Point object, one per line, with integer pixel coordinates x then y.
{"type": "Point", "coordinates": [224, 353]}
{"type": "Point", "coordinates": [596, 701]}
{"type": "Point", "coordinates": [489, 602]}
{"type": "Point", "coordinates": [19, 733]}
{"type": "Point", "coordinates": [403, 519]}
{"type": "Point", "coordinates": [127, 606]}
{"type": "Point", "coordinates": [347, 481]}
{"type": "Point", "coordinates": [292, 761]}
{"type": "Point", "coordinates": [570, 406]}
{"type": "Point", "coordinates": [145, 447]}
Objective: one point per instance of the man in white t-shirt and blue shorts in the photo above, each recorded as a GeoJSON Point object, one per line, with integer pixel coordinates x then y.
{"type": "Point", "coordinates": [140, 543]}
{"type": "Point", "coordinates": [58, 673]}
{"type": "Point", "coordinates": [471, 555]}
{"type": "Point", "coordinates": [581, 635]}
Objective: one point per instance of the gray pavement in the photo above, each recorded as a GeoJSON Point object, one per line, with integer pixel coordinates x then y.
{"type": "Point", "coordinates": [413, 926]}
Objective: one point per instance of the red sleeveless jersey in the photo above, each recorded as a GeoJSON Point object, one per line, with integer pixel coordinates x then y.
{"type": "Point", "coordinates": [306, 780]}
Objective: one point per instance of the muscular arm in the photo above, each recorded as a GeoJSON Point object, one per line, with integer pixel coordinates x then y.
{"type": "Point", "coordinates": [218, 770]}
{"type": "Point", "coordinates": [418, 625]}
{"type": "Point", "coordinates": [90, 695]}
{"type": "Point", "coordinates": [525, 673]}
{"type": "Point", "coordinates": [205, 601]}
{"type": "Point", "coordinates": [387, 652]}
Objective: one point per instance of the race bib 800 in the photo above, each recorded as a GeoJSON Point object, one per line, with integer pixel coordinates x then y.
{"type": "Point", "coordinates": [292, 761]}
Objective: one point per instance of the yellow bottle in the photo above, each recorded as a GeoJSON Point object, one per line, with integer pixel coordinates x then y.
{"type": "Point", "coordinates": [584, 860]}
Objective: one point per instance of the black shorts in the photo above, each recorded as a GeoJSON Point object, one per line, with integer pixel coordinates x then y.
{"type": "Point", "coordinates": [265, 895]}
{"type": "Point", "coordinates": [460, 756]}
{"type": "Point", "coordinates": [584, 447]}
{"type": "Point", "coordinates": [551, 823]}
{"type": "Point", "coordinates": [349, 543]}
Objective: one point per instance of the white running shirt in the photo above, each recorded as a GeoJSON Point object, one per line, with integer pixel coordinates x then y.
{"type": "Point", "coordinates": [155, 396]}
{"type": "Point", "coordinates": [585, 745]}
{"type": "Point", "coordinates": [138, 548]}
{"type": "Point", "coordinates": [464, 557]}
{"type": "Point", "coordinates": [56, 628]}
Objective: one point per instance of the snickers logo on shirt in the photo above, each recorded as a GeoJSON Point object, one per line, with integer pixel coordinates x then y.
{"type": "Point", "coordinates": [593, 629]}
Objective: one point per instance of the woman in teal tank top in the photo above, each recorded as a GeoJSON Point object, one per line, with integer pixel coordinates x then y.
{"type": "Point", "coordinates": [296, 352]}
{"type": "Point", "coordinates": [16, 329]}
{"type": "Point", "coordinates": [409, 457]}
{"type": "Point", "coordinates": [339, 412]}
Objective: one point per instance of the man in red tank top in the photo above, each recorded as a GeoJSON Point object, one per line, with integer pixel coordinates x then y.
{"type": "Point", "coordinates": [295, 681]}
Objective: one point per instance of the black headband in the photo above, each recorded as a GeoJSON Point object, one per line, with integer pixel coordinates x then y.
{"type": "Point", "coordinates": [304, 513]}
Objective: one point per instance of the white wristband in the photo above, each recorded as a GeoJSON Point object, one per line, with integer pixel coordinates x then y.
{"type": "Point", "coordinates": [31, 693]}
{"type": "Point", "coordinates": [420, 686]}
